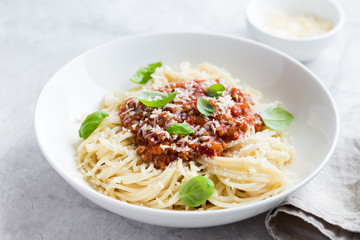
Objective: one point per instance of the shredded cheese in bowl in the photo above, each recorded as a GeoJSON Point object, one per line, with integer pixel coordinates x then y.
{"type": "Point", "coordinates": [297, 26]}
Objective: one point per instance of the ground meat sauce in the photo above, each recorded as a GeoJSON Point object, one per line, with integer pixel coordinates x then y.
{"type": "Point", "coordinates": [232, 118]}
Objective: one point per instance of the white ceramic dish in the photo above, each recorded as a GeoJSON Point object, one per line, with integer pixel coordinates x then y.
{"type": "Point", "coordinates": [79, 86]}
{"type": "Point", "coordinates": [303, 49]}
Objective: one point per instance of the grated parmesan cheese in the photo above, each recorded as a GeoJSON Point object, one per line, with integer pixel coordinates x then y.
{"type": "Point", "coordinates": [297, 26]}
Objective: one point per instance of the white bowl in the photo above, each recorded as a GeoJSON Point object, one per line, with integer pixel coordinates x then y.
{"type": "Point", "coordinates": [303, 49]}
{"type": "Point", "coordinates": [79, 86]}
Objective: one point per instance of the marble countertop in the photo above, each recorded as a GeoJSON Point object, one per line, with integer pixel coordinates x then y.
{"type": "Point", "coordinates": [39, 36]}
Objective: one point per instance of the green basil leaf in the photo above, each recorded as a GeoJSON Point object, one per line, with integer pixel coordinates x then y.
{"type": "Point", "coordinates": [143, 75]}
{"type": "Point", "coordinates": [179, 128]}
{"type": "Point", "coordinates": [90, 123]}
{"type": "Point", "coordinates": [276, 118]}
{"type": "Point", "coordinates": [205, 107]}
{"type": "Point", "coordinates": [215, 90]}
{"type": "Point", "coordinates": [196, 191]}
{"type": "Point", "coordinates": [156, 99]}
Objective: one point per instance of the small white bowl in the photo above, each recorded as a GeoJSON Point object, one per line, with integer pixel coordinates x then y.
{"type": "Point", "coordinates": [79, 86]}
{"type": "Point", "coordinates": [303, 49]}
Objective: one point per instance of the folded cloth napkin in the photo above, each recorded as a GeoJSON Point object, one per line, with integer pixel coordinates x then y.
{"type": "Point", "coordinates": [328, 206]}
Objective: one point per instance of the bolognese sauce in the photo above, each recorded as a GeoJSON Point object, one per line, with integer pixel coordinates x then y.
{"type": "Point", "coordinates": [232, 119]}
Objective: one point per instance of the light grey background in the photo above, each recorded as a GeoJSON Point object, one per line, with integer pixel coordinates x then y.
{"type": "Point", "coordinates": [37, 37]}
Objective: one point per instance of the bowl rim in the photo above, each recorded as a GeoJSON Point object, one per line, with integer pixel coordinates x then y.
{"type": "Point", "coordinates": [93, 194]}
{"type": "Point", "coordinates": [338, 25]}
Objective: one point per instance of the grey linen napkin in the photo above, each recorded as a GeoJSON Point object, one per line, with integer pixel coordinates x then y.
{"type": "Point", "coordinates": [328, 206]}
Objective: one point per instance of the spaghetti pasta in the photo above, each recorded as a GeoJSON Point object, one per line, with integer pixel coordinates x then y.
{"type": "Point", "coordinates": [250, 169]}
